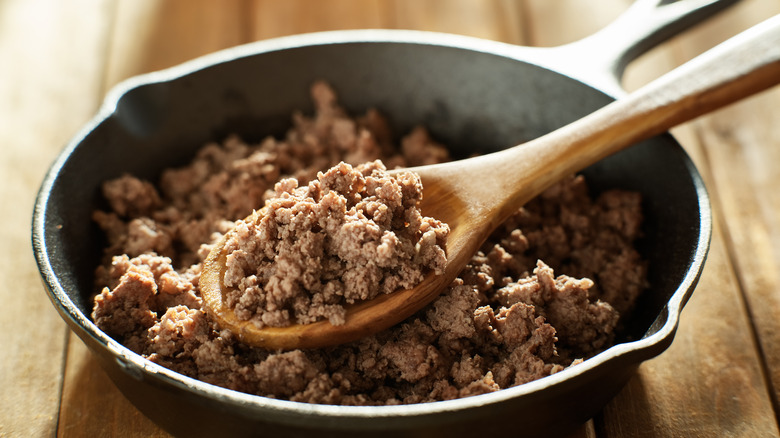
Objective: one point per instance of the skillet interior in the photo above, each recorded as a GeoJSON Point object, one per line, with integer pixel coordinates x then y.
{"type": "Point", "coordinates": [473, 101]}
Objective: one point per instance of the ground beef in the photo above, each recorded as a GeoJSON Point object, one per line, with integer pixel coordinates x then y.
{"type": "Point", "coordinates": [348, 236]}
{"type": "Point", "coordinates": [506, 320]}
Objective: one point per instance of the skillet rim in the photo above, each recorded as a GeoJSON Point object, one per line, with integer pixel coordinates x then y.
{"type": "Point", "coordinates": [140, 368]}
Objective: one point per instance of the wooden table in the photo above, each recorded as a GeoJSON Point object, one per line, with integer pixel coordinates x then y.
{"type": "Point", "coordinates": [721, 377]}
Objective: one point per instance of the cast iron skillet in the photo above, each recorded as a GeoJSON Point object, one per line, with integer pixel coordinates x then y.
{"type": "Point", "coordinates": [474, 95]}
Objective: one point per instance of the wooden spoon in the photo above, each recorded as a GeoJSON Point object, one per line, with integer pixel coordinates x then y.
{"type": "Point", "coordinates": [475, 195]}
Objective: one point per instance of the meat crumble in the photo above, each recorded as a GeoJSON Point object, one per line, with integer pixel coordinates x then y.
{"type": "Point", "coordinates": [546, 291]}
{"type": "Point", "coordinates": [348, 236]}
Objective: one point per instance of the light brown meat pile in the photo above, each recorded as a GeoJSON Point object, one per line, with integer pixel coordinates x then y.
{"type": "Point", "coordinates": [508, 318]}
{"type": "Point", "coordinates": [348, 236]}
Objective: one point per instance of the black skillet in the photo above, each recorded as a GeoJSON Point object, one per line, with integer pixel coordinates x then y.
{"type": "Point", "coordinates": [473, 95]}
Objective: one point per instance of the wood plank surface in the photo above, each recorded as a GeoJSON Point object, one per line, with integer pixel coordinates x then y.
{"type": "Point", "coordinates": [151, 35]}
{"type": "Point", "coordinates": [740, 145]}
{"type": "Point", "coordinates": [719, 378]}
{"type": "Point", "coordinates": [270, 18]}
{"type": "Point", "coordinates": [50, 76]}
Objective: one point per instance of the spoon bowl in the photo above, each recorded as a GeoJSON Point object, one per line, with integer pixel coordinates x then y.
{"type": "Point", "coordinates": [475, 195]}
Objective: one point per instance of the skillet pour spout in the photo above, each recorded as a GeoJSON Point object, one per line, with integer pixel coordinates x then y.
{"type": "Point", "coordinates": [415, 78]}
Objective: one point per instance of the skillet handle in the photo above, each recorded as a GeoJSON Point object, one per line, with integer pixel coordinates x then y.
{"type": "Point", "coordinates": [601, 58]}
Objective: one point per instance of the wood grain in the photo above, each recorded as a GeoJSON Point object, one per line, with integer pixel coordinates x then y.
{"type": "Point", "coordinates": [92, 406]}
{"type": "Point", "coordinates": [271, 18]}
{"type": "Point", "coordinates": [740, 146]}
{"type": "Point", "coordinates": [492, 19]}
{"type": "Point", "coordinates": [720, 377]}
{"type": "Point", "coordinates": [566, 21]}
{"type": "Point", "coordinates": [150, 35]}
{"type": "Point", "coordinates": [49, 86]}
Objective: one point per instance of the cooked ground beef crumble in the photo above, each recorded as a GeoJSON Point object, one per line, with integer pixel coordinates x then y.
{"type": "Point", "coordinates": [507, 320]}
{"type": "Point", "coordinates": [348, 236]}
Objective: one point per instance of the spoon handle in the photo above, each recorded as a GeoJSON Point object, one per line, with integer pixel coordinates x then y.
{"type": "Point", "coordinates": [742, 66]}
